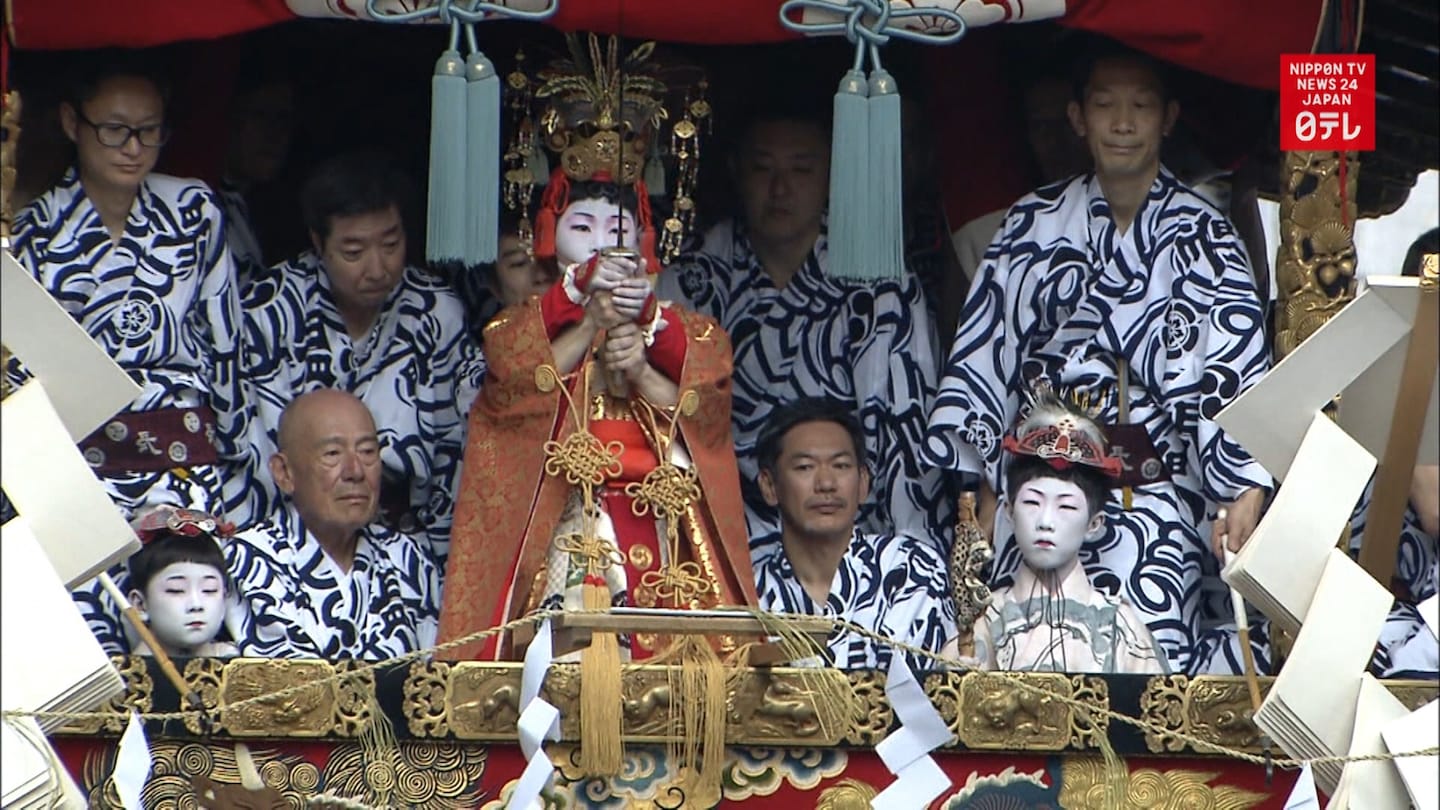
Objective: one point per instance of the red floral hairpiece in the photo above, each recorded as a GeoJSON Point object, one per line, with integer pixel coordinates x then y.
{"type": "Point", "coordinates": [1061, 444]}
{"type": "Point", "coordinates": [174, 520]}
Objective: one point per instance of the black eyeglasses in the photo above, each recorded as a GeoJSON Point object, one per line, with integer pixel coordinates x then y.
{"type": "Point", "coordinates": [117, 135]}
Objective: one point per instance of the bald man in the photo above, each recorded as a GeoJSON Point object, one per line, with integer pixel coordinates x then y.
{"type": "Point", "coordinates": [324, 579]}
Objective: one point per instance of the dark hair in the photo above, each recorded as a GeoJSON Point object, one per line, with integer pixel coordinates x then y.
{"type": "Point", "coordinates": [800, 411]}
{"type": "Point", "coordinates": [770, 110]}
{"type": "Point", "coordinates": [353, 183]}
{"type": "Point", "coordinates": [85, 82]}
{"type": "Point", "coordinates": [622, 196]}
{"type": "Point", "coordinates": [1429, 242]}
{"type": "Point", "coordinates": [168, 549]}
{"type": "Point", "coordinates": [1092, 482]}
{"type": "Point", "coordinates": [1104, 50]}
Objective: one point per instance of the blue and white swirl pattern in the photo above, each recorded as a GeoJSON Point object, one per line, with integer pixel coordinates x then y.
{"type": "Point", "coordinates": [418, 370]}
{"type": "Point", "coordinates": [297, 603]}
{"type": "Point", "coordinates": [870, 344]}
{"type": "Point", "coordinates": [893, 584]}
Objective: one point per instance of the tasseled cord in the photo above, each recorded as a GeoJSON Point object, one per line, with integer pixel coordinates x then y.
{"type": "Point", "coordinates": [866, 232]}
{"type": "Point", "coordinates": [886, 240]}
{"type": "Point", "coordinates": [482, 163]}
{"type": "Point", "coordinates": [601, 753]}
{"type": "Point", "coordinates": [849, 179]}
{"type": "Point", "coordinates": [446, 209]}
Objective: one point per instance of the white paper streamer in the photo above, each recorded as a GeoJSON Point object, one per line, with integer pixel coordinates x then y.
{"type": "Point", "coordinates": [132, 764]}
{"type": "Point", "coordinates": [1303, 797]}
{"type": "Point", "coordinates": [539, 721]}
{"type": "Point", "coordinates": [906, 751]}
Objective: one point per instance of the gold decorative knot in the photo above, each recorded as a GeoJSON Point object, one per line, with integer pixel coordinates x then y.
{"type": "Point", "coordinates": [583, 459]}
{"type": "Point", "coordinates": [596, 552]}
{"type": "Point", "coordinates": [678, 583]}
{"type": "Point", "coordinates": [666, 492]}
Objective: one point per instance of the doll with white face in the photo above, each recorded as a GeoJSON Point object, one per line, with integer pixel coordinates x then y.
{"type": "Point", "coordinates": [616, 286]}
{"type": "Point", "coordinates": [178, 583]}
{"type": "Point", "coordinates": [1052, 618]}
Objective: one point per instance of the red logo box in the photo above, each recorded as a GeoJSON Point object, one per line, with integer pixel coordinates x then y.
{"type": "Point", "coordinates": [1327, 102]}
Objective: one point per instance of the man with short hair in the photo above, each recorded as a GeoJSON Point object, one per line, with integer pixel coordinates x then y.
{"type": "Point", "coordinates": [798, 331]}
{"type": "Point", "coordinates": [351, 314]}
{"type": "Point", "coordinates": [1124, 289]}
{"type": "Point", "coordinates": [322, 580]}
{"type": "Point", "coordinates": [812, 470]}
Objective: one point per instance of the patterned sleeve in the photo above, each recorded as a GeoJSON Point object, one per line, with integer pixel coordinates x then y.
{"type": "Point", "coordinates": [215, 320]}
{"type": "Point", "coordinates": [25, 243]}
{"type": "Point", "coordinates": [972, 409]}
{"type": "Point", "coordinates": [451, 369]}
{"type": "Point", "coordinates": [271, 319]}
{"type": "Point", "coordinates": [267, 627]}
{"type": "Point", "coordinates": [921, 609]}
{"type": "Point", "coordinates": [1236, 355]}
{"type": "Point", "coordinates": [894, 372]}
{"type": "Point", "coordinates": [101, 612]}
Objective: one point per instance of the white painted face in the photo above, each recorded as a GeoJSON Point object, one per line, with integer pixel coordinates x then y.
{"type": "Point", "coordinates": [1051, 520]}
{"type": "Point", "coordinates": [186, 603]}
{"type": "Point", "coordinates": [586, 226]}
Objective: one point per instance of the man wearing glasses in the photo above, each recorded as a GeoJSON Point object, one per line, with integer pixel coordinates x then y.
{"type": "Point", "coordinates": [139, 260]}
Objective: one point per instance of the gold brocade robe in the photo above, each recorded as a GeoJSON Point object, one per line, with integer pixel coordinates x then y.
{"type": "Point", "coordinates": [508, 507]}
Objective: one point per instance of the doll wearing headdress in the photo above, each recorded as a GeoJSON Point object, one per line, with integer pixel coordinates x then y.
{"type": "Point", "coordinates": [597, 355]}
{"type": "Point", "coordinates": [179, 583]}
{"type": "Point", "coordinates": [1052, 618]}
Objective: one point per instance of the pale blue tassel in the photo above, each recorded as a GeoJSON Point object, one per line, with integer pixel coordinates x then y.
{"type": "Point", "coordinates": [539, 167]}
{"type": "Point", "coordinates": [849, 179]}
{"type": "Point", "coordinates": [885, 236]}
{"type": "Point", "coordinates": [445, 239]}
{"type": "Point", "coordinates": [482, 163]}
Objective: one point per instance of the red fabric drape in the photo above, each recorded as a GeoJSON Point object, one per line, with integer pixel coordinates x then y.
{"type": "Point", "coordinates": [1235, 40]}
{"type": "Point", "coordinates": [1239, 41]}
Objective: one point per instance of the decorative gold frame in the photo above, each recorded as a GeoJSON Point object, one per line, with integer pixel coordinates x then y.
{"type": "Point", "coordinates": [476, 701]}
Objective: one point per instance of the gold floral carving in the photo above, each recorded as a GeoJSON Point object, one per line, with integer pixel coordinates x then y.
{"type": "Point", "coordinates": [871, 716]}
{"type": "Point", "coordinates": [205, 677]}
{"type": "Point", "coordinates": [847, 794]}
{"type": "Point", "coordinates": [139, 696]}
{"type": "Point", "coordinates": [1002, 712]}
{"type": "Point", "coordinates": [1163, 704]}
{"type": "Point", "coordinates": [1315, 269]}
{"type": "Point", "coordinates": [1212, 708]}
{"type": "Point", "coordinates": [1086, 728]}
{"type": "Point", "coordinates": [1084, 785]}
{"type": "Point", "coordinates": [424, 699]}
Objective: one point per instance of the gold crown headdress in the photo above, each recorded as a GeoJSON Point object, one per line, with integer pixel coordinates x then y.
{"type": "Point", "coordinates": [603, 115]}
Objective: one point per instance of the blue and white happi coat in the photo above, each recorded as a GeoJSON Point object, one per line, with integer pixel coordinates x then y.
{"type": "Point", "coordinates": [892, 584]}
{"type": "Point", "coordinates": [295, 602]}
{"type": "Point", "coordinates": [161, 302]}
{"type": "Point", "coordinates": [1061, 296]}
{"type": "Point", "coordinates": [866, 343]}
{"type": "Point", "coordinates": [418, 371]}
